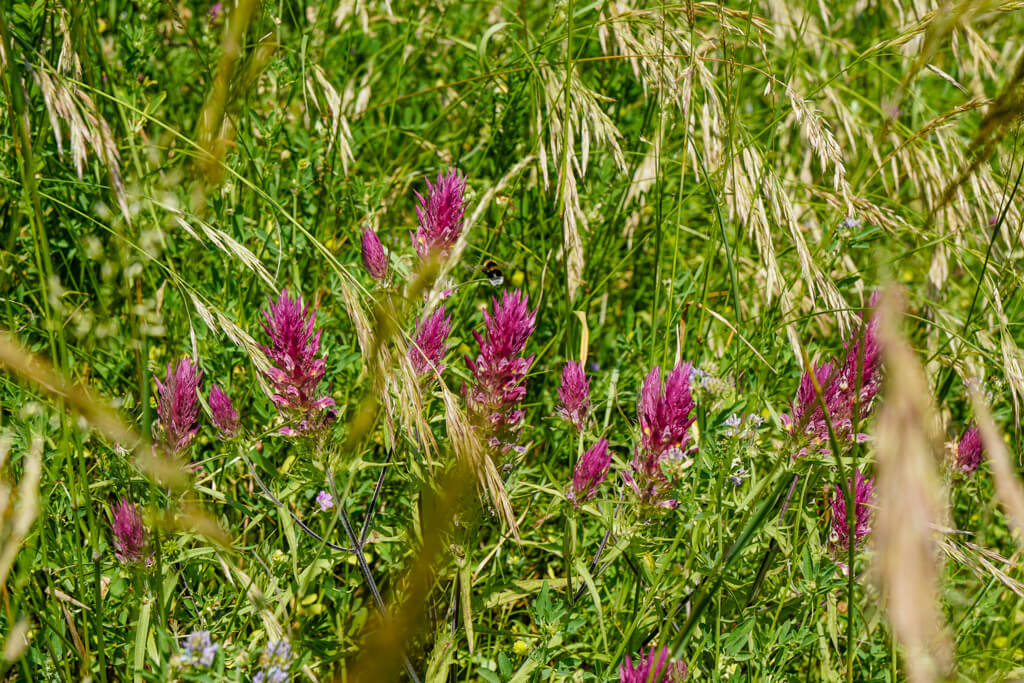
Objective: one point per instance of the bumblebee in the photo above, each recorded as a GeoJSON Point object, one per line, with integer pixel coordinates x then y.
{"type": "Point", "coordinates": [493, 272]}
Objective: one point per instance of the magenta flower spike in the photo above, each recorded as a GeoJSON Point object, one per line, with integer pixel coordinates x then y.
{"type": "Point", "coordinates": [969, 450]}
{"type": "Point", "coordinates": [655, 667]}
{"type": "Point", "coordinates": [440, 214]}
{"type": "Point", "coordinates": [590, 473]}
{"type": "Point", "coordinates": [429, 346]}
{"type": "Point", "coordinates": [863, 495]}
{"type": "Point", "coordinates": [848, 386]}
{"type": "Point", "coordinates": [375, 259]}
{"type": "Point", "coordinates": [575, 395]}
{"type": "Point", "coordinates": [130, 537]}
{"type": "Point", "coordinates": [225, 417]}
{"type": "Point", "coordinates": [499, 370]}
{"type": "Point", "coordinates": [178, 405]}
{"type": "Point", "coordinates": [665, 414]}
{"type": "Point", "coordinates": [297, 369]}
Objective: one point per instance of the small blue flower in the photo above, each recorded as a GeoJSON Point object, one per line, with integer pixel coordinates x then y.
{"type": "Point", "coordinates": [200, 650]}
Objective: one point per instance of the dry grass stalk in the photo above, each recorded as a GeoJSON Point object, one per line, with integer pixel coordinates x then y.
{"type": "Point", "coordinates": [330, 100]}
{"type": "Point", "coordinates": [18, 511]}
{"type": "Point", "coordinates": [910, 503]}
{"type": "Point", "coordinates": [67, 101]}
{"type": "Point", "coordinates": [1009, 489]}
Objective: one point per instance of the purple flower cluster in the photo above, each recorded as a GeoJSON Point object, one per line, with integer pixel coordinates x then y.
{"type": "Point", "coordinates": [177, 405]}
{"type": "Point", "coordinates": [590, 473]}
{"type": "Point", "coordinates": [863, 498]}
{"type": "Point", "coordinates": [665, 413]}
{"type": "Point", "coordinates": [574, 394]}
{"type": "Point", "coordinates": [969, 450]}
{"type": "Point", "coordinates": [199, 650]}
{"type": "Point", "coordinates": [225, 417]}
{"type": "Point", "coordinates": [275, 662]}
{"type": "Point", "coordinates": [375, 259]}
{"type": "Point", "coordinates": [130, 537]}
{"type": "Point", "coordinates": [848, 387]}
{"type": "Point", "coordinates": [499, 370]}
{"type": "Point", "coordinates": [655, 667]}
{"type": "Point", "coordinates": [429, 346]}
{"type": "Point", "coordinates": [440, 214]}
{"type": "Point", "coordinates": [297, 369]}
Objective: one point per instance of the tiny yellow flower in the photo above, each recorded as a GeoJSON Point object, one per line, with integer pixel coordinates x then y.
{"type": "Point", "coordinates": [521, 648]}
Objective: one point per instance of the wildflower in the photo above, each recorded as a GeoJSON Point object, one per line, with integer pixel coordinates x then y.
{"type": "Point", "coordinates": [215, 11]}
{"type": "Point", "coordinates": [297, 370]}
{"type": "Point", "coordinates": [374, 257]}
{"type": "Point", "coordinates": [655, 667]}
{"type": "Point", "coordinates": [130, 537]}
{"type": "Point", "coordinates": [499, 370]}
{"type": "Point", "coordinates": [274, 662]}
{"type": "Point", "coordinates": [574, 394]}
{"type": "Point", "coordinates": [863, 497]}
{"type": "Point", "coordinates": [325, 501]}
{"type": "Point", "coordinates": [665, 414]}
{"type": "Point", "coordinates": [429, 348]}
{"type": "Point", "coordinates": [177, 405]}
{"type": "Point", "coordinates": [848, 387]}
{"type": "Point", "coordinates": [969, 450]}
{"type": "Point", "coordinates": [851, 222]}
{"type": "Point", "coordinates": [199, 649]}
{"type": "Point", "coordinates": [440, 214]}
{"type": "Point", "coordinates": [590, 473]}
{"type": "Point", "coordinates": [733, 424]}
{"type": "Point", "coordinates": [225, 417]}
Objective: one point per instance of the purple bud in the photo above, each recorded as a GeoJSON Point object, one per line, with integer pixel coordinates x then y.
{"type": "Point", "coordinates": [440, 214]}
{"type": "Point", "coordinates": [590, 473]}
{"type": "Point", "coordinates": [574, 394]}
{"type": "Point", "coordinates": [429, 346]}
{"type": "Point", "coordinates": [178, 406]}
{"type": "Point", "coordinates": [225, 417]}
{"type": "Point", "coordinates": [969, 450]}
{"type": "Point", "coordinates": [375, 259]}
{"type": "Point", "coordinates": [863, 496]}
{"type": "Point", "coordinates": [655, 667]}
{"type": "Point", "coordinates": [130, 537]}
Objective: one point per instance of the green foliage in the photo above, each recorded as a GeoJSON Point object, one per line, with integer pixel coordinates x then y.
{"type": "Point", "coordinates": [725, 185]}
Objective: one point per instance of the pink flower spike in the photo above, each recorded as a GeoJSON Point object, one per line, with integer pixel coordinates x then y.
{"type": "Point", "coordinates": [375, 259]}
{"type": "Point", "coordinates": [575, 395]}
{"type": "Point", "coordinates": [130, 537]}
{"type": "Point", "coordinates": [178, 406]}
{"type": "Point", "coordinates": [297, 368]}
{"type": "Point", "coordinates": [863, 495]}
{"type": "Point", "coordinates": [499, 371]}
{"type": "Point", "coordinates": [440, 214]}
{"type": "Point", "coordinates": [655, 667]}
{"type": "Point", "coordinates": [969, 450]}
{"type": "Point", "coordinates": [429, 346]}
{"type": "Point", "coordinates": [590, 473]}
{"type": "Point", "coordinates": [225, 417]}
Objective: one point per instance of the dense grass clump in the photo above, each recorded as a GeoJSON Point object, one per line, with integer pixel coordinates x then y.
{"type": "Point", "coordinates": [517, 341]}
